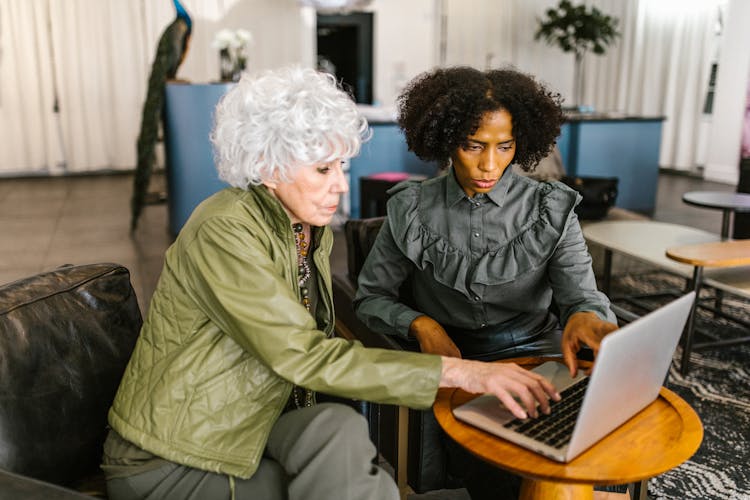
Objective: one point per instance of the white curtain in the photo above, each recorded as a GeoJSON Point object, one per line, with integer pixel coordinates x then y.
{"type": "Point", "coordinates": [477, 33]}
{"type": "Point", "coordinates": [28, 125]}
{"type": "Point", "coordinates": [73, 73]}
{"type": "Point", "coordinates": [102, 64]}
{"type": "Point", "coordinates": [73, 81]}
{"type": "Point", "coordinates": [484, 33]}
{"type": "Point", "coordinates": [660, 66]}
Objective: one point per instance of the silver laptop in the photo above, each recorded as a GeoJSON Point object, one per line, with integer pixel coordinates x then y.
{"type": "Point", "coordinates": [629, 371]}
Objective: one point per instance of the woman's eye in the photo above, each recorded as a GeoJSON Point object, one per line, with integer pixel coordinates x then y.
{"type": "Point", "coordinates": [324, 169]}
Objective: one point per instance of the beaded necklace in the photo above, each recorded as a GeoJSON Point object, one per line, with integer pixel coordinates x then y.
{"type": "Point", "coordinates": [301, 394]}
{"type": "Point", "coordinates": [302, 266]}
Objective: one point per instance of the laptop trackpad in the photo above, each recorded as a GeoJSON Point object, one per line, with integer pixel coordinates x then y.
{"type": "Point", "coordinates": [558, 374]}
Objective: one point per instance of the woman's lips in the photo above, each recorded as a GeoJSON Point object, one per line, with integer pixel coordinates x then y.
{"type": "Point", "coordinates": [484, 184]}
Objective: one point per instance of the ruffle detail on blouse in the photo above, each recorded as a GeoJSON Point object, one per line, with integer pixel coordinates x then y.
{"type": "Point", "coordinates": [527, 250]}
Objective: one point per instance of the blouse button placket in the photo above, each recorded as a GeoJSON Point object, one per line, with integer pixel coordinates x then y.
{"type": "Point", "coordinates": [477, 246]}
{"type": "Point", "coordinates": [475, 221]}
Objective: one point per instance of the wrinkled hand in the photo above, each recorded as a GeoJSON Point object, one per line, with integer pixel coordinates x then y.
{"type": "Point", "coordinates": [432, 337]}
{"type": "Point", "coordinates": [583, 327]}
{"type": "Point", "coordinates": [507, 381]}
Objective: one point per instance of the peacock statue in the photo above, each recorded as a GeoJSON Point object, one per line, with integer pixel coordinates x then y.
{"type": "Point", "coordinates": [171, 51]}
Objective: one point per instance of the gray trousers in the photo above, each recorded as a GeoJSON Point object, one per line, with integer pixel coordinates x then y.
{"type": "Point", "coordinates": [322, 452]}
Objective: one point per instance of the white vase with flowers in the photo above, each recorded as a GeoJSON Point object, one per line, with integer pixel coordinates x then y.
{"type": "Point", "coordinates": [233, 48]}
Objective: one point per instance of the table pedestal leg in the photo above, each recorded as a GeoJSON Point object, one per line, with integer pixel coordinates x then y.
{"type": "Point", "coordinates": [725, 224]}
{"type": "Point", "coordinates": [532, 489]}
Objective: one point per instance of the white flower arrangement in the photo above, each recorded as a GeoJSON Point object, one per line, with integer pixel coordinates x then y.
{"type": "Point", "coordinates": [232, 46]}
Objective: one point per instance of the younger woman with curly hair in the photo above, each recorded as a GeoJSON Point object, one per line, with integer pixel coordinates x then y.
{"type": "Point", "coordinates": [484, 251]}
{"type": "Point", "coordinates": [481, 250]}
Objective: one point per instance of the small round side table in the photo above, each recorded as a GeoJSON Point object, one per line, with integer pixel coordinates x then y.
{"type": "Point", "coordinates": [727, 202]}
{"type": "Point", "coordinates": [660, 437]}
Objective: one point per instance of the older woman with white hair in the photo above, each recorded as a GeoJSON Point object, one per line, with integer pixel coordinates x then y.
{"type": "Point", "coordinates": [218, 399]}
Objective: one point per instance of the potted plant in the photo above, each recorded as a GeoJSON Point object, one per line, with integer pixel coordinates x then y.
{"type": "Point", "coordinates": [577, 29]}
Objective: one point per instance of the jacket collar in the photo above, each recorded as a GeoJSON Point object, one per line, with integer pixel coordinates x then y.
{"type": "Point", "coordinates": [277, 216]}
{"type": "Point", "coordinates": [274, 211]}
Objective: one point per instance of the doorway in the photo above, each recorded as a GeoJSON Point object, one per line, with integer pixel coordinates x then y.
{"type": "Point", "coordinates": [345, 50]}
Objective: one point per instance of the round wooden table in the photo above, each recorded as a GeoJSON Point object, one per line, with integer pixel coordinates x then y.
{"type": "Point", "coordinates": [660, 437]}
{"type": "Point", "coordinates": [727, 202]}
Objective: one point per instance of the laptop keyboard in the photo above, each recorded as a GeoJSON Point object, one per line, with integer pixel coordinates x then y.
{"type": "Point", "coordinates": [556, 428]}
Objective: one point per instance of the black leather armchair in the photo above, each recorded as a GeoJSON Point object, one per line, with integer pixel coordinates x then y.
{"type": "Point", "coordinates": [65, 339]}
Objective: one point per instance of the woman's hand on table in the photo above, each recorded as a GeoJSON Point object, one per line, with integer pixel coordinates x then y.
{"type": "Point", "coordinates": [520, 390]}
{"type": "Point", "coordinates": [432, 337]}
{"type": "Point", "coordinates": [583, 327]}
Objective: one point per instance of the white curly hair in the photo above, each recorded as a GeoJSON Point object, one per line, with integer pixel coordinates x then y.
{"type": "Point", "coordinates": [272, 123]}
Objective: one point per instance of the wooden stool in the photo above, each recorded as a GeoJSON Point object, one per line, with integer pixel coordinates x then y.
{"type": "Point", "coordinates": [717, 254]}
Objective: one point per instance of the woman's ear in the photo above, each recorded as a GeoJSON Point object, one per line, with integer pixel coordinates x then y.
{"type": "Point", "coordinates": [275, 180]}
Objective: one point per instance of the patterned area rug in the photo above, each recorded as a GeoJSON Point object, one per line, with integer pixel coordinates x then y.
{"type": "Point", "coordinates": [717, 387]}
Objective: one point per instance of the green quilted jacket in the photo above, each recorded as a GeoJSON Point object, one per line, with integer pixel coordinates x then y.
{"type": "Point", "coordinates": [226, 337]}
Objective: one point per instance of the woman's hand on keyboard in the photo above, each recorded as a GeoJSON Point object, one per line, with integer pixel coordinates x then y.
{"type": "Point", "coordinates": [518, 389]}
{"type": "Point", "coordinates": [583, 327]}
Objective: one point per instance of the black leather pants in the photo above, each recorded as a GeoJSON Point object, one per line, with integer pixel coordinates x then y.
{"type": "Point", "coordinates": [494, 342]}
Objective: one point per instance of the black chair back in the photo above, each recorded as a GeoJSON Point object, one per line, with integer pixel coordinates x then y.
{"type": "Point", "coordinates": [65, 339]}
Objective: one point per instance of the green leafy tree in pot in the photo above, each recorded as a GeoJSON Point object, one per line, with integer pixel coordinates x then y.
{"type": "Point", "coordinates": [577, 29]}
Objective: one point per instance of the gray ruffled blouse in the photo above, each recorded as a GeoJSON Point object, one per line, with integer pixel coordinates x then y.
{"type": "Point", "coordinates": [491, 261]}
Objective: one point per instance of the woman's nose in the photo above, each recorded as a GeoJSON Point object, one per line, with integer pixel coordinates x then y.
{"type": "Point", "coordinates": [340, 184]}
{"type": "Point", "coordinates": [488, 160]}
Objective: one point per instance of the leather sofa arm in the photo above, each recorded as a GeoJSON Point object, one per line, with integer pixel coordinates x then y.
{"type": "Point", "coordinates": [18, 486]}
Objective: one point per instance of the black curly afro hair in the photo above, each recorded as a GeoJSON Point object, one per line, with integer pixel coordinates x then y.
{"type": "Point", "coordinates": [438, 110]}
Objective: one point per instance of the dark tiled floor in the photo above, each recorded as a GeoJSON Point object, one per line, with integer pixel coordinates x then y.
{"type": "Point", "coordinates": [47, 222]}
{"type": "Point", "coordinates": [670, 208]}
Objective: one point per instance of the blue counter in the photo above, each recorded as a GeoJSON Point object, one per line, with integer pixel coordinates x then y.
{"type": "Point", "coordinates": [191, 174]}
{"type": "Point", "coordinates": [590, 145]}
{"type": "Point", "coordinates": [622, 147]}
